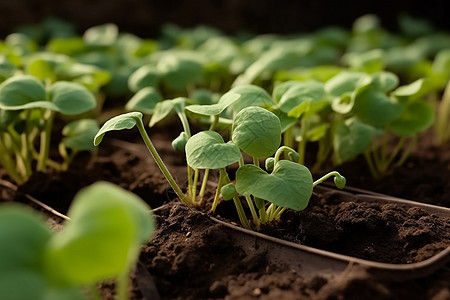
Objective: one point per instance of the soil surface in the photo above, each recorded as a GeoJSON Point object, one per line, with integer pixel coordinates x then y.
{"type": "Point", "coordinates": [191, 257]}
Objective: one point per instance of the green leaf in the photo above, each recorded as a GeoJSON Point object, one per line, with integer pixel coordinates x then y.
{"type": "Point", "coordinates": [145, 76]}
{"type": "Point", "coordinates": [374, 107]}
{"type": "Point", "coordinates": [257, 131]}
{"type": "Point", "coordinates": [290, 184]}
{"type": "Point", "coordinates": [251, 95]}
{"type": "Point", "coordinates": [101, 35]}
{"type": "Point", "coordinates": [120, 122]}
{"type": "Point", "coordinates": [18, 91]}
{"type": "Point", "coordinates": [41, 69]}
{"type": "Point", "coordinates": [78, 135]}
{"type": "Point", "coordinates": [410, 89]}
{"type": "Point", "coordinates": [103, 238]}
{"type": "Point", "coordinates": [178, 71]}
{"type": "Point", "coordinates": [346, 82]}
{"type": "Point", "coordinates": [352, 137]}
{"type": "Point", "coordinates": [144, 100]}
{"type": "Point", "coordinates": [166, 108]}
{"type": "Point", "coordinates": [225, 101]}
{"type": "Point", "coordinates": [308, 91]}
{"type": "Point", "coordinates": [71, 98]}
{"type": "Point", "coordinates": [417, 117]}
{"type": "Point", "coordinates": [281, 88]}
{"type": "Point", "coordinates": [385, 81]}
{"type": "Point", "coordinates": [207, 150]}
{"type": "Point", "coordinates": [369, 62]}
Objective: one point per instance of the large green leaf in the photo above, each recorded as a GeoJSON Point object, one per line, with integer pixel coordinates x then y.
{"type": "Point", "coordinates": [108, 225]}
{"type": "Point", "coordinates": [71, 98]}
{"type": "Point", "coordinates": [417, 117]}
{"type": "Point", "coordinates": [19, 91]}
{"type": "Point", "coordinates": [376, 108]}
{"type": "Point", "coordinates": [120, 122]}
{"type": "Point", "coordinates": [251, 95]}
{"type": "Point", "coordinates": [308, 91]}
{"type": "Point", "coordinates": [207, 150]}
{"type": "Point", "coordinates": [257, 131]}
{"type": "Point", "coordinates": [290, 184]}
{"type": "Point", "coordinates": [346, 82]}
{"type": "Point", "coordinates": [352, 137]}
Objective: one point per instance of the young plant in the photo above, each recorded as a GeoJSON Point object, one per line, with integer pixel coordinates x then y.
{"type": "Point", "coordinates": [28, 109]}
{"type": "Point", "coordinates": [100, 241]}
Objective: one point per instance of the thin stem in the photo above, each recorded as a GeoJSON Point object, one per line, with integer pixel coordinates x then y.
{"type": "Point", "coordinates": [45, 141]}
{"type": "Point", "coordinates": [194, 187]}
{"type": "Point", "coordinates": [255, 161]}
{"type": "Point", "coordinates": [160, 163]}
{"type": "Point", "coordinates": [370, 163]}
{"type": "Point", "coordinates": [241, 212]}
{"type": "Point", "coordinates": [278, 212]}
{"type": "Point", "coordinates": [407, 152]}
{"type": "Point", "coordinates": [203, 187]}
{"type": "Point", "coordinates": [302, 143]}
{"type": "Point", "coordinates": [214, 122]}
{"type": "Point", "coordinates": [396, 150]}
{"type": "Point", "coordinates": [281, 150]}
{"type": "Point", "coordinates": [443, 117]}
{"type": "Point", "coordinates": [325, 177]}
{"type": "Point", "coordinates": [122, 286]}
{"type": "Point", "coordinates": [287, 137]}
{"type": "Point", "coordinates": [253, 211]}
{"type": "Point", "coordinates": [219, 187]}
{"type": "Point", "coordinates": [7, 162]}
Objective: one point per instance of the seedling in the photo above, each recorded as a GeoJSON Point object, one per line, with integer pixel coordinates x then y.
{"type": "Point", "coordinates": [100, 241]}
{"type": "Point", "coordinates": [28, 109]}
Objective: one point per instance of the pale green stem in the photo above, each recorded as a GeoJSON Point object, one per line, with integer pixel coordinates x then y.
{"type": "Point", "coordinates": [443, 117]}
{"type": "Point", "coordinates": [7, 163]}
{"type": "Point", "coordinates": [222, 182]}
{"type": "Point", "coordinates": [255, 161]}
{"type": "Point", "coordinates": [370, 163]}
{"type": "Point", "coordinates": [214, 123]}
{"type": "Point", "coordinates": [281, 150]}
{"type": "Point", "coordinates": [395, 152]}
{"type": "Point", "coordinates": [45, 142]}
{"type": "Point", "coordinates": [325, 177]}
{"type": "Point", "coordinates": [203, 187]}
{"type": "Point", "coordinates": [287, 138]}
{"type": "Point", "coordinates": [241, 212]}
{"type": "Point", "coordinates": [270, 211]}
{"type": "Point", "coordinates": [407, 152]}
{"type": "Point", "coordinates": [160, 163]}
{"type": "Point", "coordinates": [253, 211]}
{"type": "Point", "coordinates": [278, 212]}
{"type": "Point", "coordinates": [122, 286]}
{"type": "Point", "coordinates": [302, 143]}
{"type": "Point", "coordinates": [194, 187]}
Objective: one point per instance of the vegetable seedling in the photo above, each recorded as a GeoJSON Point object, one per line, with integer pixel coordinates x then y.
{"type": "Point", "coordinates": [101, 241]}
{"type": "Point", "coordinates": [28, 109]}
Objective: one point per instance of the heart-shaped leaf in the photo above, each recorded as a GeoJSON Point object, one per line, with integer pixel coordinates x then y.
{"type": "Point", "coordinates": [257, 131]}
{"type": "Point", "coordinates": [417, 117]}
{"type": "Point", "coordinates": [352, 138]}
{"type": "Point", "coordinates": [120, 122]}
{"type": "Point", "coordinates": [144, 100]}
{"type": "Point", "coordinates": [78, 135]}
{"type": "Point", "coordinates": [207, 150]}
{"type": "Point", "coordinates": [215, 109]}
{"type": "Point", "coordinates": [374, 107]}
{"type": "Point", "coordinates": [290, 184]}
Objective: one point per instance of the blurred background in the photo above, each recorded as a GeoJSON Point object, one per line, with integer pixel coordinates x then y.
{"type": "Point", "coordinates": [145, 17]}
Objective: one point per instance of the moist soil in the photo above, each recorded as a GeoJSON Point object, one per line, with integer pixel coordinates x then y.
{"type": "Point", "coordinates": [191, 257]}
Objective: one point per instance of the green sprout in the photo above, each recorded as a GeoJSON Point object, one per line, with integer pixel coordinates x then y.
{"type": "Point", "coordinates": [28, 109]}
{"type": "Point", "coordinates": [100, 241]}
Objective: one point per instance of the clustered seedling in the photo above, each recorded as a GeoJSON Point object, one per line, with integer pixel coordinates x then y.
{"type": "Point", "coordinates": [101, 241]}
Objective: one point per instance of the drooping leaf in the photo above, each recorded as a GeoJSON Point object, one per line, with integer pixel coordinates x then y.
{"type": "Point", "coordinates": [417, 117]}
{"type": "Point", "coordinates": [120, 122]}
{"type": "Point", "coordinates": [78, 135]}
{"type": "Point", "coordinates": [290, 184]}
{"type": "Point", "coordinates": [108, 225]}
{"type": "Point", "coordinates": [167, 107]}
{"type": "Point", "coordinates": [352, 138]}
{"type": "Point", "coordinates": [257, 131]}
{"type": "Point", "coordinates": [410, 89]}
{"type": "Point", "coordinates": [207, 150]}
{"type": "Point", "coordinates": [144, 100]}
